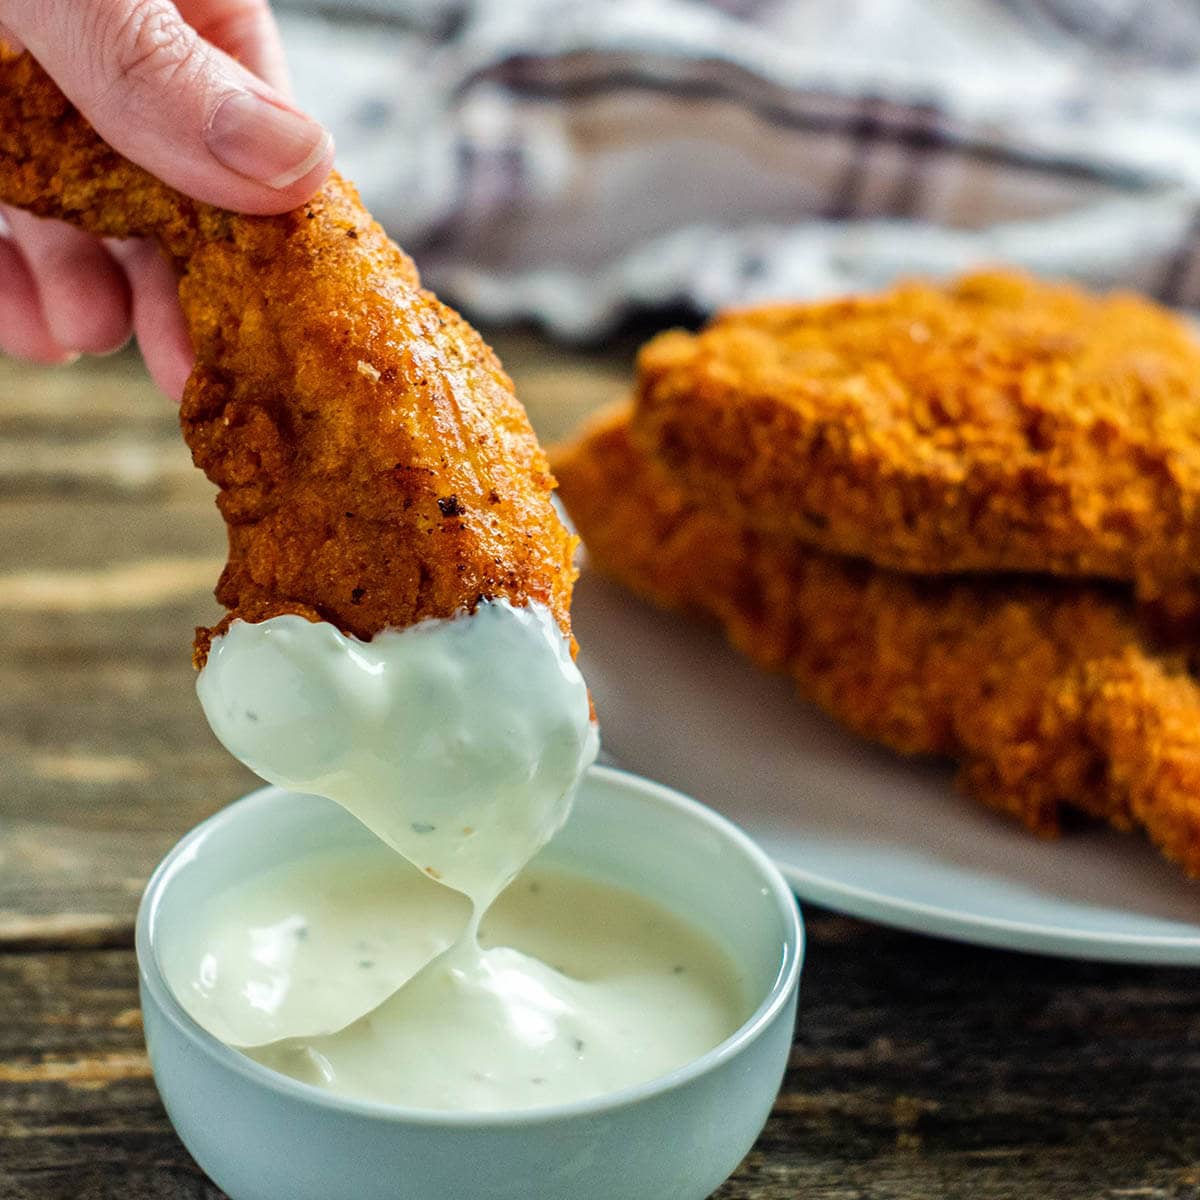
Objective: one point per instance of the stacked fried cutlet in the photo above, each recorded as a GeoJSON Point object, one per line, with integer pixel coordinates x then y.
{"type": "Point", "coordinates": [965, 519]}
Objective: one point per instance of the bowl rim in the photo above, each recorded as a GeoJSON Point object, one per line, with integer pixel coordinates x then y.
{"type": "Point", "coordinates": [784, 985]}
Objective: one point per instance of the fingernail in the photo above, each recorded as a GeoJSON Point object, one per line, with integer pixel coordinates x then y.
{"type": "Point", "coordinates": [265, 141]}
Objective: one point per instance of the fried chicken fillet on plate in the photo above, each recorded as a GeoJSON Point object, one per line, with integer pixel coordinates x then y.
{"type": "Point", "coordinates": [1047, 693]}
{"type": "Point", "coordinates": [996, 423]}
{"type": "Point", "coordinates": [374, 466]}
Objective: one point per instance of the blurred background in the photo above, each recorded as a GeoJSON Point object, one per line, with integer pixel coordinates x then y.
{"type": "Point", "coordinates": [577, 163]}
{"type": "Point", "coordinates": [575, 174]}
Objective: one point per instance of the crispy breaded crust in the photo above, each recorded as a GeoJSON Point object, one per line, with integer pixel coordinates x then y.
{"type": "Point", "coordinates": [1047, 693]}
{"type": "Point", "coordinates": [375, 467]}
{"type": "Point", "coordinates": [996, 423]}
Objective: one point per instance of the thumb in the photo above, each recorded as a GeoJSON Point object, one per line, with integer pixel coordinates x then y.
{"type": "Point", "coordinates": [173, 103]}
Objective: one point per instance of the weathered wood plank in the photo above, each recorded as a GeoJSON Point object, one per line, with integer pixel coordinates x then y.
{"type": "Point", "coordinates": [107, 759]}
{"type": "Point", "coordinates": [78, 1112]}
{"type": "Point", "coordinates": [920, 1069]}
{"type": "Point", "coordinates": [110, 549]}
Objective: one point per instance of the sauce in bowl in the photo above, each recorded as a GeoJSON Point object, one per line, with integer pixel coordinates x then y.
{"type": "Point", "coordinates": [460, 744]}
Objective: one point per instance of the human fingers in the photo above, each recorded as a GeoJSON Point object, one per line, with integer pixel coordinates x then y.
{"type": "Point", "coordinates": [82, 292]}
{"type": "Point", "coordinates": [247, 31]}
{"type": "Point", "coordinates": [23, 330]}
{"type": "Point", "coordinates": [172, 102]}
{"type": "Point", "coordinates": [157, 319]}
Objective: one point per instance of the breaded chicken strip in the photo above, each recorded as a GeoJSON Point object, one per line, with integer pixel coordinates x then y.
{"type": "Point", "coordinates": [1046, 693]}
{"type": "Point", "coordinates": [996, 423]}
{"type": "Point", "coordinates": [374, 465]}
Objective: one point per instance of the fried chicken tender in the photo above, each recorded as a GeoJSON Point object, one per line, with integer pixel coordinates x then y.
{"type": "Point", "coordinates": [1047, 693]}
{"type": "Point", "coordinates": [374, 466]}
{"type": "Point", "coordinates": [996, 423]}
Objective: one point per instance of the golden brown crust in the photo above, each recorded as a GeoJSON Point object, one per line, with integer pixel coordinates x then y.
{"type": "Point", "coordinates": [996, 423]}
{"type": "Point", "coordinates": [1047, 693]}
{"type": "Point", "coordinates": [374, 465]}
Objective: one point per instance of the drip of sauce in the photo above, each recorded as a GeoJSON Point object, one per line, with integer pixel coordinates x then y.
{"type": "Point", "coordinates": [460, 744]}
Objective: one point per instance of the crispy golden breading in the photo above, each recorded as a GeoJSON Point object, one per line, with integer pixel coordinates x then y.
{"type": "Point", "coordinates": [1047, 693]}
{"type": "Point", "coordinates": [997, 423]}
{"type": "Point", "coordinates": [374, 465]}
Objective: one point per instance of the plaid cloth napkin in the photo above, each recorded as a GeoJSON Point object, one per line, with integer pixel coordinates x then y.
{"type": "Point", "coordinates": [573, 161]}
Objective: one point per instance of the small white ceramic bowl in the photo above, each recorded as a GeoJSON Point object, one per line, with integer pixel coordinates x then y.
{"type": "Point", "coordinates": [262, 1136]}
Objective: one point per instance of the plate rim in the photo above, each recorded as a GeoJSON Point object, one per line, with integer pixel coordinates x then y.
{"type": "Point", "coordinates": [1002, 933]}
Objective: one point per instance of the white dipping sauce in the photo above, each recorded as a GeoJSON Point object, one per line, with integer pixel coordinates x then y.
{"type": "Point", "coordinates": [460, 743]}
{"type": "Point", "coordinates": [580, 988]}
{"type": "Point", "coordinates": [308, 947]}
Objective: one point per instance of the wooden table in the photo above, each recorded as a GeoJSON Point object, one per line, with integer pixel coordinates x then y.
{"type": "Point", "coordinates": [920, 1068]}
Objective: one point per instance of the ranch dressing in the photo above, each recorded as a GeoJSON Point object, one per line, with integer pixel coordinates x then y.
{"type": "Point", "coordinates": [308, 947]}
{"type": "Point", "coordinates": [460, 744]}
{"type": "Point", "coordinates": [577, 987]}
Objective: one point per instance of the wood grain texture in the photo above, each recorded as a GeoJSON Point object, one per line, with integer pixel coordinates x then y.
{"type": "Point", "coordinates": [920, 1069]}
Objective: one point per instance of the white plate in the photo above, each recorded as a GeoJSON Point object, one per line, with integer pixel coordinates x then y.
{"type": "Point", "coordinates": [854, 827]}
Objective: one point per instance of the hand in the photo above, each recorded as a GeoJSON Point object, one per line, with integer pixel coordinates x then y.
{"type": "Point", "coordinates": [198, 95]}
